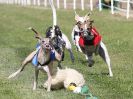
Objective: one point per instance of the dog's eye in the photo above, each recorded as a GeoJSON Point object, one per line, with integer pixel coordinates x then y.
{"type": "Point", "coordinates": [43, 41]}
{"type": "Point", "coordinates": [79, 23]}
{"type": "Point", "coordinates": [88, 28]}
{"type": "Point", "coordinates": [81, 29]}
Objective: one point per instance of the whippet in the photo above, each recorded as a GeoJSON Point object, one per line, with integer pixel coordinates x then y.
{"type": "Point", "coordinates": [42, 59]}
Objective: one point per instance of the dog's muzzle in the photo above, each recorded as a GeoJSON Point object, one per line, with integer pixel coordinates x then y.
{"type": "Point", "coordinates": [47, 46]}
{"type": "Point", "coordinates": [87, 35]}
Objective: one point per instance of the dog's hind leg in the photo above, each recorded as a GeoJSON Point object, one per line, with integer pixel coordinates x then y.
{"type": "Point", "coordinates": [24, 63]}
{"type": "Point", "coordinates": [105, 56]}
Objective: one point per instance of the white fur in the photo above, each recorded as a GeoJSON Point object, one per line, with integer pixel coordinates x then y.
{"type": "Point", "coordinates": [68, 44]}
{"type": "Point", "coordinates": [107, 58]}
{"type": "Point", "coordinates": [75, 28]}
{"type": "Point", "coordinates": [54, 12]}
{"type": "Point", "coordinates": [64, 77]}
{"type": "Point", "coordinates": [76, 40]}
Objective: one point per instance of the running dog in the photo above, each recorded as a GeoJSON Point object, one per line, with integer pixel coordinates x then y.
{"type": "Point", "coordinates": [42, 59]}
{"type": "Point", "coordinates": [60, 41]}
{"type": "Point", "coordinates": [89, 41]}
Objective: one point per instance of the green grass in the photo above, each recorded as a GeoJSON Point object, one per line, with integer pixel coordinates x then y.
{"type": "Point", "coordinates": [16, 42]}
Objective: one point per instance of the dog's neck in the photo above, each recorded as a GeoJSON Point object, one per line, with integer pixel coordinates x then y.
{"type": "Point", "coordinates": [43, 55]}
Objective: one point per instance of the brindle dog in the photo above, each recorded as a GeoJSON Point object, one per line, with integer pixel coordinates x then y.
{"type": "Point", "coordinates": [57, 41]}
{"type": "Point", "coordinates": [60, 41]}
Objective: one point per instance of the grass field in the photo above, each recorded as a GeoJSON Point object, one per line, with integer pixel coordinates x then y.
{"type": "Point", "coordinates": [16, 42]}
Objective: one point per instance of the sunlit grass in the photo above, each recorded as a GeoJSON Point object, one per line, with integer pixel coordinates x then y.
{"type": "Point", "coordinates": [16, 42]}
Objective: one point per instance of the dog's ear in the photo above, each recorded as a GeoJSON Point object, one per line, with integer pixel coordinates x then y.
{"type": "Point", "coordinates": [76, 16]}
{"type": "Point", "coordinates": [87, 16]}
{"type": "Point", "coordinates": [91, 21]}
{"type": "Point", "coordinates": [38, 37]}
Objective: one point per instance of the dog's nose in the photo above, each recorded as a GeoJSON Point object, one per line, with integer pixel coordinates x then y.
{"type": "Point", "coordinates": [47, 45]}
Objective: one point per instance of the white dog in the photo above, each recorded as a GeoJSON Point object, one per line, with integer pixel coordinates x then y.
{"type": "Point", "coordinates": [65, 77]}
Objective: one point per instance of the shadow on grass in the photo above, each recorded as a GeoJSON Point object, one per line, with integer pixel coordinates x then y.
{"type": "Point", "coordinates": [83, 62]}
{"type": "Point", "coordinates": [98, 74]}
{"type": "Point", "coordinates": [52, 89]}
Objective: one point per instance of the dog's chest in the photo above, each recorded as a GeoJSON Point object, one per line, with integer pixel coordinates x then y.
{"type": "Point", "coordinates": [90, 48]}
{"type": "Point", "coordinates": [43, 56]}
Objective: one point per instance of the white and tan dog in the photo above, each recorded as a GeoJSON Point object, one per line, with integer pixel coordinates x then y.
{"type": "Point", "coordinates": [44, 62]}
{"type": "Point", "coordinates": [65, 77]}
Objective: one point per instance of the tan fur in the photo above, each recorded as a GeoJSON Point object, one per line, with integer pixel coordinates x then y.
{"type": "Point", "coordinates": [43, 55]}
{"type": "Point", "coordinates": [64, 77]}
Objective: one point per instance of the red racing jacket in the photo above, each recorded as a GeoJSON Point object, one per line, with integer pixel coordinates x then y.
{"type": "Point", "coordinates": [96, 40]}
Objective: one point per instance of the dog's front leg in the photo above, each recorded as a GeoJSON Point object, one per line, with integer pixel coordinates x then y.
{"type": "Point", "coordinates": [49, 82]}
{"type": "Point", "coordinates": [58, 58]}
{"type": "Point", "coordinates": [90, 59]}
{"type": "Point", "coordinates": [28, 59]}
{"type": "Point", "coordinates": [77, 44]}
{"type": "Point", "coordinates": [46, 68]}
{"type": "Point", "coordinates": [24, 63]}
{"type": "Point", "coordinates": [35, 78]}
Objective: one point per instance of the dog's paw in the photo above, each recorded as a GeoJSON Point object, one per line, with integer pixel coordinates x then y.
{"type": "Point", "coordinates": [48, 90]}
{"type": "Point", "coordinates": [45, 85]}
{"type": "Point", "coordinates": [91, 63]}
{"type": "Point", "coordinates": [34, 87]}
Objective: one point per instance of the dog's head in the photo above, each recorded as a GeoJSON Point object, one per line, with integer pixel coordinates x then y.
{"type": "Point", "coordinates": [85, 25]}
{"type": "Point", "coordinates": [49, 32]}
{"type": "Point", "coordinates": [52, 32]}
{"type": "Point", "coordinates": [57, 31]}
{"type": "Point", "coordinates": [46, 43]}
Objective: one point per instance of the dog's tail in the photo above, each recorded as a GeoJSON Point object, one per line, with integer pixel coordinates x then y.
{"type": "Point", "coordinates": [14, 74]}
